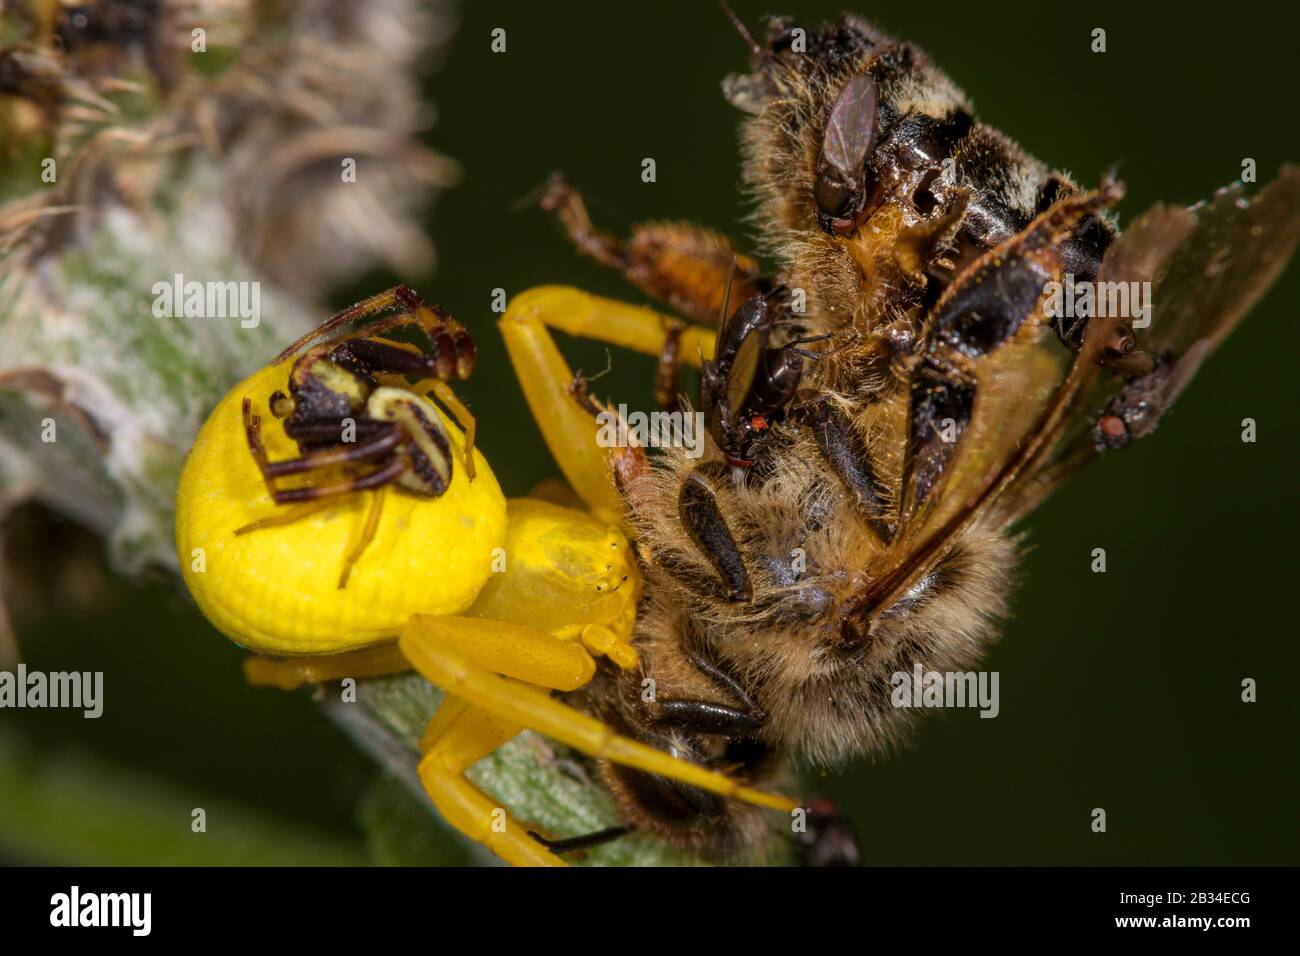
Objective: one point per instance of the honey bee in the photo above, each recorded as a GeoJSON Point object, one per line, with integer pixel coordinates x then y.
{"type": "Point", "coordinates": [883, 408]}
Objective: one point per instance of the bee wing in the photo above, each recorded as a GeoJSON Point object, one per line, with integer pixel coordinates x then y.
{"type": "Point", "coordinates": [1030, 424]}
{"type": "Point", "coordinates": [1027, 393]}
{"type": "Point", "coordinates": [1014, 390]}
{"type": "Point", "coordinates": [1205, 284]}
{"type": "Point", "coordinates": [1208, 265]}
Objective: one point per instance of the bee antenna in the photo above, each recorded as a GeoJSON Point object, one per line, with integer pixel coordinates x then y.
{"type": "Point", "coordinates": [726, 296]}
{"type": "Point", "coordinates": [741, 29]}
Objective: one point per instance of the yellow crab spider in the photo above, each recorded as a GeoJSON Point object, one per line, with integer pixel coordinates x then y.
{"type": "Point", "coordinates": [498, 603]}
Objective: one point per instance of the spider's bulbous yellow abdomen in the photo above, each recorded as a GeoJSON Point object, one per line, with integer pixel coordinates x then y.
{"type": "Point", "coordinates": [275, 590]}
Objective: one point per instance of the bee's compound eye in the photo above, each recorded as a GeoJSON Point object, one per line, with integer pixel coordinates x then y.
{"type": "Point", "coordinates": [846, 142]}
{"type": "Point", "coordinates": [830, 195]}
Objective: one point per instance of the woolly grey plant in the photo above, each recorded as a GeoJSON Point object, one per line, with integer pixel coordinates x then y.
{"type": "Point", "coordinates": [213, 143]}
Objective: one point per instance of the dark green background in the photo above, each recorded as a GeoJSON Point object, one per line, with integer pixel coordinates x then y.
{"type": "Point", "coordinates": [1119, 690]}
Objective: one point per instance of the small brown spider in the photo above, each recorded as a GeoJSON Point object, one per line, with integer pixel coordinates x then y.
{"type": "Point", "coordinates": [354, 416]}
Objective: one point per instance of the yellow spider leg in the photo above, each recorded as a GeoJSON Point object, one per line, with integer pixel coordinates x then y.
{"type": "Point", "coordinates": [500, 647]}
{"type": "Point", "coordinates": [442, 391]}
{"type": "Point", "coordinates": [569, 430]}
{"type": "Point", "coordinates": [455, 742]}
{"type": "Point", "coordinates": [448, 713]}
{"type": "Point", "coordinates": [583, 315]}
{"type": "Point", "coordinates": [601, 640]}
{"type": "Point", "coordinates": [367, 535]}
{"type": "Point", "coordinates": [290, 673]}
{"type": "Point", "coordinates": [556, 491]}
{"type": "Point", "coordinates": [466, 657]}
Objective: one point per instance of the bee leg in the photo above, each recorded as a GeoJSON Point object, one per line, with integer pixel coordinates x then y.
{"type": "Point", "coordinates": [458, 737]}
{"type": "Point", "coordinates": [487, 663]}
{"type": "Point", "coordinates": [290, 673]}
{"type": "Point", "coordinates": [848, 456]}
{"type": "Point", "coordinates": [698, 511]}
{"type": "Point", "coordinates": [705, 716]}
{"type": "Point", "coordinates": [586, 841]}
{"type": "Point", "coordinates": [571, 432]}
{"type": "Point", "coordinates": [669, 362]}
{"type": "Point", "coordinates": [677, 263]}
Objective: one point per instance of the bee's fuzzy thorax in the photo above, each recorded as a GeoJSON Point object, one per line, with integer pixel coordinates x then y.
{"type": "Point", "coordinates": [825, 701]}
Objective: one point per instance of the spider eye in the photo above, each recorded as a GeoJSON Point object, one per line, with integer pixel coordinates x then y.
{"type": "Point", "coordinates": [846, 142]}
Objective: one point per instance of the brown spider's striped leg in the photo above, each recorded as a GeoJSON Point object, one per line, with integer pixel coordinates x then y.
{"type": "Point", "coordinates": [287, 514]}
{"type": "Point", "coordinates": [329, 431]}
{"type": "Point", "coordinates": [367, 535]}
{"type": "Point", "coordinates": [372, 356]}
{"type": "Point", "coordinates": [453, 349]}
{"type": "Point", "coordinates": [381, 445]}
{"type": "Point", "coordinates": [382, 475]}
{"type": "Point", "coordinates": [374, 305]}
{"type": "Point", "coordinates": [469, 425]}
{"type": "Point", "coordinates": [386, 470]}
{"type": "Point", "coordinates": [442, 329]}
{"type": "Point", "coordinates": [454, 346]}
